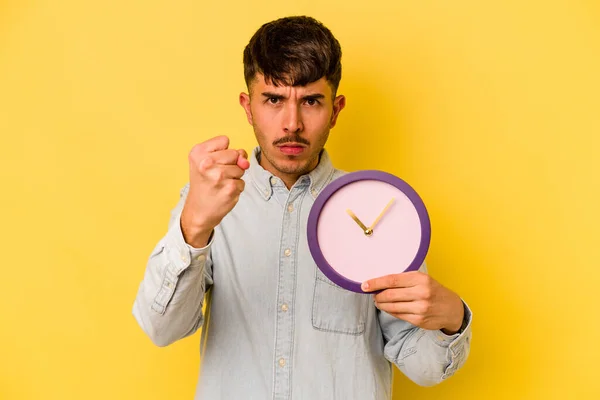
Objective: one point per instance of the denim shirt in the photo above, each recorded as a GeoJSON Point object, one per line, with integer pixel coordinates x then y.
{"type": "Point", "coordinates": [273, 325]}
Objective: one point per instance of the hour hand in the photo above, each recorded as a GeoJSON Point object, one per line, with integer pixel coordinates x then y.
{"type": "Point", "coordinates": [358, 221]}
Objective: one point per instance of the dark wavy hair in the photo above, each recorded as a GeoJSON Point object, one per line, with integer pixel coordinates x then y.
{"type": "Point", "coordinates": [293, 51]}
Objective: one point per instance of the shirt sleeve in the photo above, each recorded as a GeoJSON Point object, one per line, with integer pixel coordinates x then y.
{"type": "Point", "coordinates": [169, 301]}
{"type": "Point", "coordinates": [426, 357]}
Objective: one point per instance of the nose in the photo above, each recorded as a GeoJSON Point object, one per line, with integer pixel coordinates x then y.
{"type": "Point", "coordinates": [292, 119]}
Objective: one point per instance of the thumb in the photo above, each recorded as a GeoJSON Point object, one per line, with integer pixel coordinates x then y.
{"type": "Point", "coordinates": [242, 161]}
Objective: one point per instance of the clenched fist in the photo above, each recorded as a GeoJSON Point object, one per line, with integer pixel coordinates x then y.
{"type": "Point", "coordinates": [215, 188]}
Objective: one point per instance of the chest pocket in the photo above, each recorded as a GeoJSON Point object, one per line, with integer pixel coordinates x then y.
{"type": "Point", "coordinates": [338, 310]}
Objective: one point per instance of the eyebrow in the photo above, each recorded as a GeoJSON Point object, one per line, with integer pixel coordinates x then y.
{"type": "Point", "coordinates": [314, 96]}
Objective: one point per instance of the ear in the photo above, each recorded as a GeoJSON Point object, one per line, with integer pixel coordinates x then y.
{"type": "Point", "coordinates": [245, 103]}
{"type": "Point", "coordinates": [338, 105]}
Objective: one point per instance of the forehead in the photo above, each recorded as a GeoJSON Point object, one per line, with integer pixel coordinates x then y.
{"type": "Point", "coordinates": [259, 85]}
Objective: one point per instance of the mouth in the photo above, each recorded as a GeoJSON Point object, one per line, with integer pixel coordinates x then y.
{"type": "Point", "coordinates": [292, 149]}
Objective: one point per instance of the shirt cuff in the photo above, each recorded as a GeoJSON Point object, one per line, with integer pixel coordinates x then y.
{"type": "Point", "coordinates": [445, 340]}
{"type": "Point", "coordinates": [180, 253]}
{"type": "Point", "coordinates": [200, 254]}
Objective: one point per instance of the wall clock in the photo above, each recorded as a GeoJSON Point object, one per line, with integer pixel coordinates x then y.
{"type": "Point", "coordinates": [367, 224]}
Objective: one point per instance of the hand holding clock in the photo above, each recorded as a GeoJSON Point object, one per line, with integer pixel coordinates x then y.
{"type": "Point", "coordinates": [414, 296]}
{"type": "Point", "coordinates": [387, 257]}
{"type": "Point", "coordinates": [417, 298]}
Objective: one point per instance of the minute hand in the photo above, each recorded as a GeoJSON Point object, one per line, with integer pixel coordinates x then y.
{"type": "Point", "coordinates": [381, 214]}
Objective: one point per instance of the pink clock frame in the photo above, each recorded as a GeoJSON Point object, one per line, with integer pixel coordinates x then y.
{"type": "Point", "coordinates": [331, 189]}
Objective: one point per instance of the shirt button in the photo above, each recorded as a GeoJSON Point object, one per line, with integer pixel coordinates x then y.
{"type": "Point", "coordinates": [281, 362]}
{"type": "Point", "coordinates": [290, 208]}
{"type": "Point", "coordinates": [287, 252]}
{"type": "Point", "coordinates": [273, 180]}
{"type": "Point", "coordinates": [284, 307]}
{"type": "Point", "coordinates": [201, 257]}
{"type": "Point", "coordinates": [314, 192]}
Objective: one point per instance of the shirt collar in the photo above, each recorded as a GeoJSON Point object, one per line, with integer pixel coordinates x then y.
{"type": "Point", "coordinates": [316, 179]}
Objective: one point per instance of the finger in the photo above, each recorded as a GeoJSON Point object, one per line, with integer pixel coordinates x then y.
{"type": "Point", "coordinates": [226, 172]}
{"type": "Point", "coordinates": [404, 279]}
{"type": "Point", "coordinates": [403, 307]}
{"type": "Point", "coordinates": [414, 319]}
{"type": "Point", "coordinates": [242, 160]}
{"type": "Point", "coordinates": [234, 187]}
{"type": "Point", "coordinates": [229, 172]}
{"type": "Point", "coordinates": [396, 308]}
{"type": "Point", "coordinates": [242, 153]}
{"type": "Point", "coordinates": [240, 185]}
{"type": "Point", "coordinates": [397, 295]}
{"type": "Point", "coordinates": [215, 144]}
{"type": "Point", "coordinates": [225, 157]}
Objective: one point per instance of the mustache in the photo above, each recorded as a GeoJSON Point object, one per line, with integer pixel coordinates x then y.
{"type": "Point", "coordinates": [291, 139]}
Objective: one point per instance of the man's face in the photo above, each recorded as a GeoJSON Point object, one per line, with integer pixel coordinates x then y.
{"type": "Point", "coordinates": [291, 124]}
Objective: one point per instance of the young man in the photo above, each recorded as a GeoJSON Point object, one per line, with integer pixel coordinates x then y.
{"type": "Point", "coordinates": [275, 327]}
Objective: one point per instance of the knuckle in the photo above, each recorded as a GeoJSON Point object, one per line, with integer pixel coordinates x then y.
{"type": "Point", "coordinates": [391, 295]}
{"type": "Point", "coordinates": [423, 308]}
{"type": "Point", "coordinates": [425, 278]}
{"type": "Point", "coordinates": [426, 293]}
{"type": "Point", "coordinates": [206, 164]}
{"type": "Point", "coordinates": [231, 153]}
{"type": "Point", "coordinates": [219, 174]}
{"type": "Point", "coordinates": [197, 148]}
{"type": "Point", "coordinates": [231, 188]}
{"type": "Point", "coordinates": [194, 152]}
{"type": "Point", "coordinates": [223, 140]}
{"type": "Point", "coordinates": [200, 146]}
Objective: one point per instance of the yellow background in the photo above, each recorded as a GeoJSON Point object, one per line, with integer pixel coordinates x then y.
{"type": "Point", "coordinates": [490, 110]}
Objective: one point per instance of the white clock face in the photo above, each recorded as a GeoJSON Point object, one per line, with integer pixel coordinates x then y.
{"type": "Point", "coordinates": [369, 228]}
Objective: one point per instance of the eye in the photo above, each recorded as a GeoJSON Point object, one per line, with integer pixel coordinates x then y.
{"type": "Point", "coordinates": [312, 102]}
{"type": "Point", "coordinates": [273, 100]}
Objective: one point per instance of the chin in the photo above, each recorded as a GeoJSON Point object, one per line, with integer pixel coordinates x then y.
{"type": "Point", "coordinates": [292, 166]}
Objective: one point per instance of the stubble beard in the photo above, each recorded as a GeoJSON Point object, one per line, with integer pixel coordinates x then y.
{"type": "Point", "coordinates": [299, 169]}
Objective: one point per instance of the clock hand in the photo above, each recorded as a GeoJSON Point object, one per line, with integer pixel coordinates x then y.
{"type": "Point", "coordinates": [382, 213]}
{"type": "Point", "coordinates": [355, 218]}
